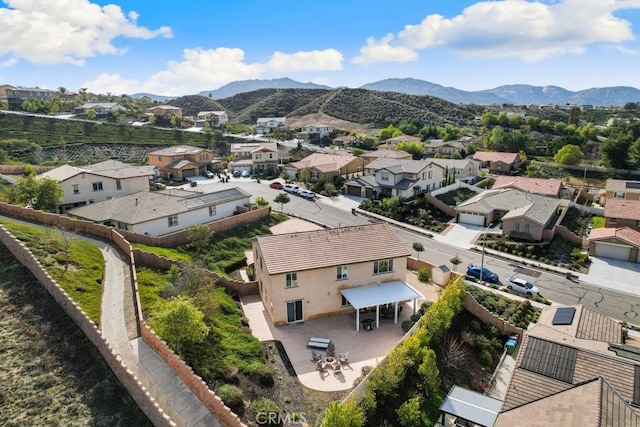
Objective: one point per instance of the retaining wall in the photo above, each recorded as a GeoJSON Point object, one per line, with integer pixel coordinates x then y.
{"type": "Point", "coordinates": [475, 308]}
{"type": "Point", "coordinates": [19, 169]}
{"type": "Point", "coordinates": [127, 378]}
{"type": "Point", "coordinates": [449, 210]}
{"type": "Point", "coordinates": [151, 260]}
{"type": "Point", "coordinates": [194, 382]}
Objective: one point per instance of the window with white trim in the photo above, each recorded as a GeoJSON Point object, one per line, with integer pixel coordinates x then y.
{"type": "Point", "coordinates": [341, 272]}
{"type": "Point", "coordinates": [618, 195]}
{"type": "Point", "coordinates": [212, 210]}
{"type": "Point", "coordinates": [527, 228]}
{"type": "Point", "coordinates": [291, 280]}
{"type": "Point", "coordinates": [173, 220]}
{"type": "Point", "coordinates": [97, 186]}
{"type": "Point", "coordinates": [76, 190]}
{"type": "Point", "coordinates": [384, 176]}
{"type": "Point", "coordinates": [345, 302]}
{"type": "Point", "coordinates": [383, 266]}
{"type": "Point", "coordinates": [118, 184]}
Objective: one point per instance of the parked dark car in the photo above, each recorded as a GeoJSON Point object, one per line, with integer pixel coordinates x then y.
{"type": "Point", "coordinates": [487, 275]}
{"type": "Point", "coordinates": [277, 185]}
{"type": "Point", "coordinates": [236, 174]}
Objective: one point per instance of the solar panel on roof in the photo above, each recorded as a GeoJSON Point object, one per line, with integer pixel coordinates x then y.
{"type": "Point", "coordinates": [632, 184]}
{"type": "Point", "coordinates": [563, 316]}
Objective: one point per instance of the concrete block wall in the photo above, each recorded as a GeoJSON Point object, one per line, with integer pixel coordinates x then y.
{"type": "Point", "coordinates": [193, 381]}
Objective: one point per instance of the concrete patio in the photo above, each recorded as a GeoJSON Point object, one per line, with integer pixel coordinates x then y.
{"type": "Point", "coordinates": [365, 348]}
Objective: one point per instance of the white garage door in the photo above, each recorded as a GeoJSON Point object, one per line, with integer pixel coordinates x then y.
{"type": "Point", "coordinates": [610, 250]}
{"type": "Point", "coordinates": [468, 218]}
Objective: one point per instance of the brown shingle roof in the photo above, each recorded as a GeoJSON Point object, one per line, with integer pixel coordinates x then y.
{"type": "Point", "coordinates": [622, 208]}
{"type": "Point", "coordinates": [325, 248]}
{"type": "Point", "coordinates": [627, 234]}
{"type": "Point", "coordinates": [494, 156]}
{"type": "Point", "coordinates": [324, 162]}
{"type": "Point", "coordinates": [545, 187]}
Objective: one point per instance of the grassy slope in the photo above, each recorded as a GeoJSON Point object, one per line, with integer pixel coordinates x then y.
{"type": "Point", "coordinates": [50, 374]}
{"type": "Point", "coordinates": [82, 279]}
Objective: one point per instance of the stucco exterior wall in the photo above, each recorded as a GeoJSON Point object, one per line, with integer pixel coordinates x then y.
{"type": "Point", "coordinates": [319, 289]}
{"type": "Point", "coordinates": [160, 226]}
{"type": "Point", "coordinates": [109, 189]}
{"type": "Point", "coordinates": [535, 232]}
{"type": "Point", "coordinates": [621, 222]}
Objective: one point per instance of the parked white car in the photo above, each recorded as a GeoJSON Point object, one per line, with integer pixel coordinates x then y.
{"type": "Point", "coordinates": [307, 194]}
{"type": "Point", "coordinates": [522, 286]}
{"type": "Point", "coordinates": [290, 188]}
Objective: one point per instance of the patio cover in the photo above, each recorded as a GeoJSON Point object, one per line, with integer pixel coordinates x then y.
{"type": "Point", "coordinates": [471, 406]}
{"type": "Point", "coordinates": [385, 293]}
{"type": "Point", "coordinates": [376, 295]}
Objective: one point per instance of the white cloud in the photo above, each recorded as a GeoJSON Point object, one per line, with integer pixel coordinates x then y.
{"type": "Point", "coordinates": [66, 31]}
{"type": "Point", "coordinates": [382, 51]}
{"type": "Point", "coordinates": [204, 69]}
{"type": "Point", "coordinates": [8, 63]}
{"type": "Point", "coordinates": [529, 30]}
{"type": "Point", "coordinates": [313, 60]}
{"type": "Point", "coordinates": [625, 50]}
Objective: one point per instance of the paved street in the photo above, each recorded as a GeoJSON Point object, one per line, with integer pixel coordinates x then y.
{"type": "Point", "coordinates": [336, 212]}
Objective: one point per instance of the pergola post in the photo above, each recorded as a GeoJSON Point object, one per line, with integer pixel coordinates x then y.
{"type": "Point", "coordinates": [414, 306]}
{"type": "Point", "coordinates": [395, 315]}
{"type": "Point", "coordinates": [357, 320]}
{"type": "Point", "coordinates": [377, 316]}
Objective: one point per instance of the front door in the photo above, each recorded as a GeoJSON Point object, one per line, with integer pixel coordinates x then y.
{"type": "Point", "coordinates": [294, 311]}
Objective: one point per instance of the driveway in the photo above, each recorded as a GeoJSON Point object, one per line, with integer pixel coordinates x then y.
{"type": "Point", "coordinates": [460, 235]}
{"type": "Point", "coordinates": [613, 274]}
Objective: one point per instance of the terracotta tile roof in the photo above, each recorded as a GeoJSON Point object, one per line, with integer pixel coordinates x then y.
{"type": "Point", "coordinates": [545, 187]}
{"type": "Point", "coordinates": [110, 168]}
{"type": "Point", "coordinates": [178, 149]}
{"type": "Point", "coordinates": [386, 153]}
{"type": "Point", "coordinates": [586, 343]}
{"type": "Point", "coordinates": [402, 138]}
{"type": "Point", "coordinates": [622, 185]}
{"type": "Point", "coordinates": [323, 162]}
{"type": "Point", "coordinates": [324, 248]}
{"type": "Point", "coordinates": [494, 156]}
{"type": "Point", "coordinates": [294, 225]}
{"type": "Point", "coordinates": [622, 208]}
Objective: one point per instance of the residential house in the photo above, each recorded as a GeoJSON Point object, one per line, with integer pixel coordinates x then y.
{"type": "Point", "coordinates": [164, 111]}
{"type": "Point", "coordinates": [550, 187]}
{"type": "Point", "coordinates": [314, 274]}
{"type": "Point", "coordinates": [157, 213]}
{"type": "Point", "coordinates": [386, 177]}
{"type": "Point", "coordinates": [216, 119]}
{"type": "Point", "coordinates": [622, 213]}
{"type": "Point", "coordinates": [573, 369]}
{"type": "Point", "coordinates": [324, 167]}
{"type": "Point", "coordinates": [254, 157]}
{"type": "Point", "coordinates": [17, 95]}
{"type": "Point", "coordinates": [393, 142]}
{"type": "Point", "coordinates": [466, 170]}
{"type": "Point", "coordinates": [102, 109]}
{"type": "Point", "coordinates": [316, 131]}
{"type": "Point", "coordinates": [370, 156]}
{"type": "Point", "coordinates": [523, 214]}
{"type": "Point", "coordinates": [497, 162]}
{"type": "Point", "coordinates": [266, 125]}
{"type": "Point", "coordinates": [445, 148]}
{"type": "Point", "coordinates": [183, 161]}
{"type": "Point", "coordinates": [620, 189]}
{"type": "Point", "coordinates": [621, 243]}
{"type": "Point", "coordinates": [98, 182]}
{"type": "Point", "coordinates": [3, 91]}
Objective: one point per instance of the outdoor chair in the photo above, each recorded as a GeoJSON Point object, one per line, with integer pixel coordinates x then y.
{"type": "Point", "coordinates": [331, 350]}
{"type": "Point", "coordinates": [337, 369]}
{"type": "Point", "coordinates": [343, 357]}
{"type": "Point", "coordinates": [320, 365]}
{"type": "Point", "coordinates": [316, 356]}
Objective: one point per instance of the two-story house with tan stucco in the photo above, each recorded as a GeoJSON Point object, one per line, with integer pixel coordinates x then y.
{"type": "Point", "coordinates": [98, 182]}
{"type": "Point", "coordinates": [254, 157]}
{"type": "Point", "coordinates": [216, 119]}
{"type": "Point", "coordinates": [183, 161]}
{"type": "Point", "coordinates": [313, 274]}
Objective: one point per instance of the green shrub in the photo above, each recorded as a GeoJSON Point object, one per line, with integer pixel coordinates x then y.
{"type": "Point", "coordinates": [415, 317]}
{"type": "Point", "coordinates": [231, 396]}
{"type": "Point", "coordinates": [468, 338]}
{"type": "Point", "coordinates": [423, 274]}
{"type": "Point", "coordinates": [260, 373]}
{"type": "Point", "coordinates": [406, 325]}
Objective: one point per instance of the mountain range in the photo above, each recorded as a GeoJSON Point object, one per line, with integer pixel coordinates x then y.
{"type": "Point", "coordinates": [520, 94]}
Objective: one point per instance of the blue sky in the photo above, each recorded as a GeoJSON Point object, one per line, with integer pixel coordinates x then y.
{"type": "Point", "coordinates": [179, 48]}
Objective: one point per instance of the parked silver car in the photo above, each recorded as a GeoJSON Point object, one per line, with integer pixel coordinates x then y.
{"type": "Point", "coordinates": [522, 286]}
